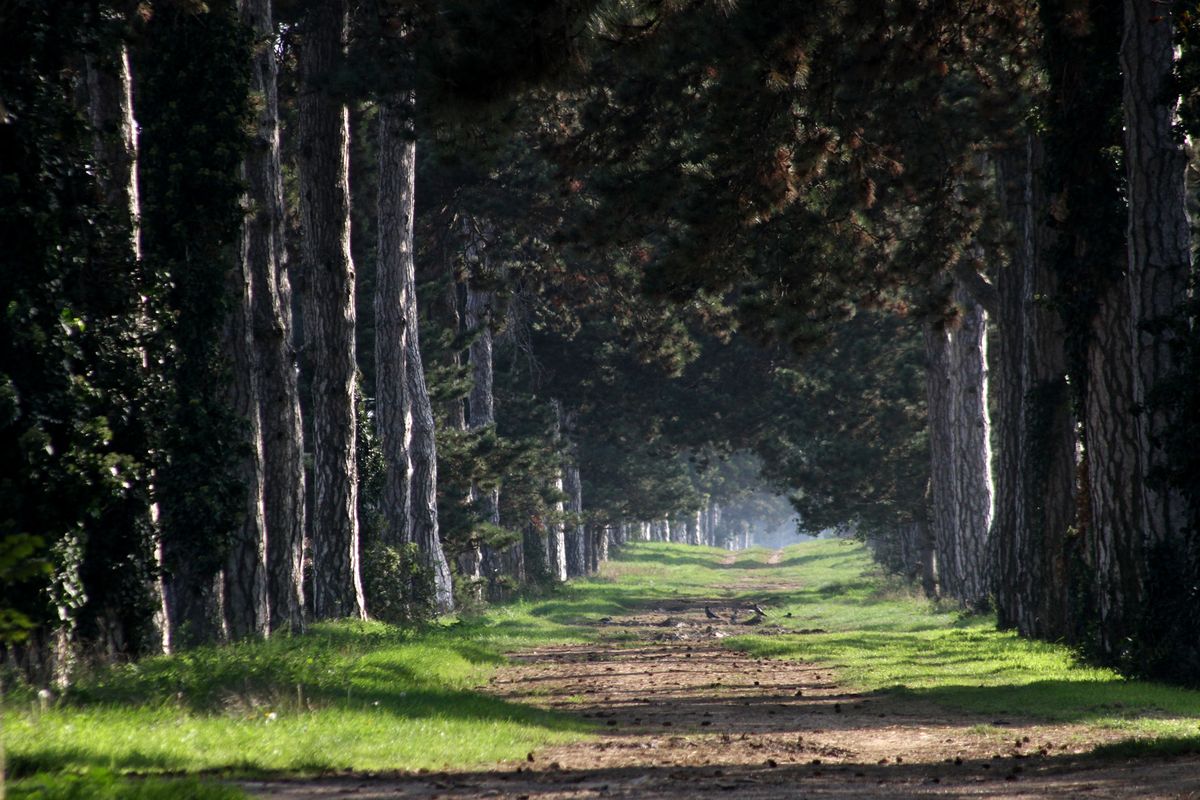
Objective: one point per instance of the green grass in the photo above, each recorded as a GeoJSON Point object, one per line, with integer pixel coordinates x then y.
{"type": "Point", "coordinates": [881, 636]}
{"type": "Point", "coordinates": [103, 785]}
{"type": "Point", "coordinates": [368, 696]}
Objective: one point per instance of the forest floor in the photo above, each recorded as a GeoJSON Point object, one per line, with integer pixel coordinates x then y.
{"type": "Point", "coordinates": [687, 705]}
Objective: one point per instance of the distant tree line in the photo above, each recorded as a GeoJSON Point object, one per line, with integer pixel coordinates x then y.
{"type": "Point", "coordinates": [385, 308]}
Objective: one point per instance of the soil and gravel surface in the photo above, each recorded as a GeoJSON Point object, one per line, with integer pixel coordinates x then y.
{"type": "Point", "coordinates": [680, 715]}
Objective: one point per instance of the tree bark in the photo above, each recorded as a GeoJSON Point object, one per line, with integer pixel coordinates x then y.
{"type": "Point", "coordinates": [1159, 245]}
{"type": "Point", "coordinates": [265, 254]}
{"type": "Point", "coordinates": [422, 484]}
{"type": "Point", "coordinates": [110, 111]}
{"type": "Point", "coordinates": [393, 407]}
{"type": "Point", "coordinates": [1114, 544]}
{"type": "Point", "coordinates": [556, 544]}
{"type": "Point", "coordinates": [329, 314]}
{"type": "Point", "coordinates": [246, 607]}
{"type": "Point", "coordinates": [1036, 469]}
{"type": "Point", "coordinates": [481, 412]}
{"type": "Point", "coordinates": [961, 453]}
{"type": "Point", "coordinates": [575, 536]}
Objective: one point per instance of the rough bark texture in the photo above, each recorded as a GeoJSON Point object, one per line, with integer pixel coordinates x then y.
{"type": "Point", "coordinates": [1159, 244]}
{"type": "Point", "coordinates": [264, 253]}
{"type": "Point", "coordinates": [960, 450]}
{"type": "Point", "coordinates": [422, 486]}
{"type": "Point", "coordinates": [329, 315]}
{"type": "Point", "coordinates": [246, 606]}
{"type": "Point", "coordinates": [393, 414]}
{"type": "Point", "coordinates": [1113, 541]}
{"type": "Point", "coordinates": [1036, 471]}
{"type": "Point", "coordinates": [422, 454]}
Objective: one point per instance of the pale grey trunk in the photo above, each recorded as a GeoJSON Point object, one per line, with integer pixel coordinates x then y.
{"type": "Point", "coordinates": [1036, 469]}
{"type": "Point", "coordinates": [329, 314]}
{"type": "Point", "coordinates": [960, 451]}
{"type": "Point", "coordinates": [422, 484]}
{"type": "Point", "coordinates": [1159, 244]}
{"type": "Point", "coordinates": [1112, 535]}
{"type": "Point", "coordinates": [575, 550]}
{"type": "Point", "coordinates": [556, 544]}
{"type": "Point", "coordinates": [265, 254]}
{"type": "Point", "coordinates": [246, 608]}
{"type": "Point", "coordinates": [575, 536]}
{"type": "Point", "coordinates": [692, 527]}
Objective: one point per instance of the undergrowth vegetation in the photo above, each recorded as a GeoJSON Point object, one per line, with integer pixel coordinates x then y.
{"type": "Point", "coordinates": [371, 696]}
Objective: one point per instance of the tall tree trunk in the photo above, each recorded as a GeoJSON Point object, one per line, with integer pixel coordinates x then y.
{"type": "Point", "coordinates": [1036, 469]}
{"type": "Point", "coordinates": [575, 535]}
{"type": "Point", "coordinates": [393, 407]}
{"type": "Point", "coordinates": [422, 484]}
{"type": "Point", "coordinates": [692, 527]}
{"type": "Point", "coordinates": [110, 111]}
{"type": "Point", "coordinates": [960, 450]}
{"type": "Point", "coordinates": [1114, 542]}
{"type": "Point", "coordinates": [1159, 245]}
{"type": "Point", "coordinates": [265, 254]}
{"type": "Point", "coordinates": [329, 314]}
{"type": "Point", "coordinates": [246, 607]}
{"type": "Point", "coordinates": [556, 544]}
{"type": "Point", "coordinates": [481, 413]}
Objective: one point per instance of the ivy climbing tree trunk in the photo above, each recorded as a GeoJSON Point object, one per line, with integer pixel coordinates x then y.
{"type": "Point", "coordinates": [110, 111]}
{"type": "Point", "coordinates": [191, 227]}
{"type": "Point", "coordinates": [329, 314]}
{"type": "Point", "coordinates": [265, 255]}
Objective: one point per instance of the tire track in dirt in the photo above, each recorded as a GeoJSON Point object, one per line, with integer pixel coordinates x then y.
{"type": "Point", "coordinates": [677, 713]}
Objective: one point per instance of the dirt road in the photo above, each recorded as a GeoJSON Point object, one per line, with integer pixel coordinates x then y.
{"type": "Point", "coordinates": [680, 715]}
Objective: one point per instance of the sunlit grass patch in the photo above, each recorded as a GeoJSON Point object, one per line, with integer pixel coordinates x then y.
{"type": "Point", "coordinates": [103, 785]}
{"type": "Point", "coordinates": [344, 696]}
{"type": "Point", "coordinates": [882, 636]}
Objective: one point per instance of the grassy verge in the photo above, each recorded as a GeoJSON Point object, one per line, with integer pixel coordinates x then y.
{"type": "Point", "coordinates": [103, 785]}
{"type": "Point", "coordinates": [366, 696]}
{"type": "Point", "coordinates": [881, 636]}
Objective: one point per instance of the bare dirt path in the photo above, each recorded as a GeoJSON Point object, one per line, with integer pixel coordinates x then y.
{"type": "Point", "coordinates": [680, 714]}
